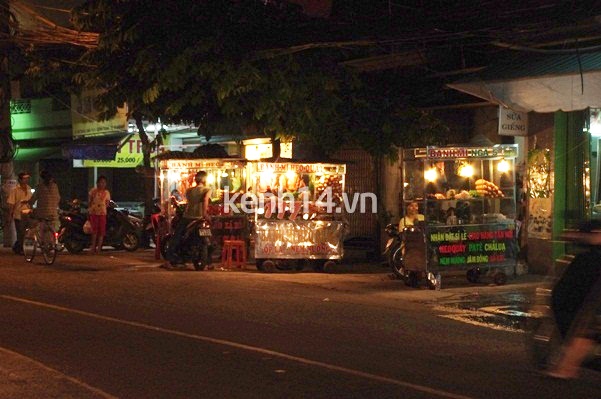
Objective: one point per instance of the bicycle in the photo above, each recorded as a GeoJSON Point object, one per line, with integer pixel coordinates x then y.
{"type": "Point", "coordinates": [43, 236]}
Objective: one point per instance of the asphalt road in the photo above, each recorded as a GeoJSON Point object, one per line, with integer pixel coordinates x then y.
{"type": "Point", "coordinates": [143, 332]}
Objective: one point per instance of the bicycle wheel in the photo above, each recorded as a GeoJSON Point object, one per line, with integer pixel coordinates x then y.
{"type": "Point", "coordinates": [49, 247]}
{"type": "Point", "coordinates": [29, 245]}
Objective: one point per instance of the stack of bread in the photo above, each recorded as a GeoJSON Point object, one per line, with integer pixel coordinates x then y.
{"type": "Point", "coordinates": [486, 188]}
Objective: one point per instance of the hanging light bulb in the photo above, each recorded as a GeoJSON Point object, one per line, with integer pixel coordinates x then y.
{"type": "Point", "coordinates": [431, 175]}
{"type": "Point", "coordinates": [503, 166]}
{"type": "Point", "coordinates": [466, 170]}
{"type": "Point", "coordinates": [211, 178]}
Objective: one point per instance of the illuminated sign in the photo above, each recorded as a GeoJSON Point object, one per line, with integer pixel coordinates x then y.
{"type": "Point", "coordinates": [300, 168]}
{"type": "Point", "coordinates": [129, 156]}
{"type": "Point", "coordinates": [200, 164]}
{"type": "Point", "coordinates": [500, 151]}
{"type": "Point", "coordinates": [472, 245]}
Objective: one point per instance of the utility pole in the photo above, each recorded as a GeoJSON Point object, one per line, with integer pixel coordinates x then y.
{"type": "Point", "coordinates": [7, 175]}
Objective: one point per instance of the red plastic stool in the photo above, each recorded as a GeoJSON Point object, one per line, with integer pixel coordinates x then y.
{"type": "Point", "coordinates": [231, 248]}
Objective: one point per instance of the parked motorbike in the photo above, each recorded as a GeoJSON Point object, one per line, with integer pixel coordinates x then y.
{"type": "Point", "coordinates": [394, 251]}
{"type": "Point", "coordinates": [568, 307]}
{"type": "Point", "coordinates": [194, 246]}
{"type": "Point", "coordinates": [122, 230]}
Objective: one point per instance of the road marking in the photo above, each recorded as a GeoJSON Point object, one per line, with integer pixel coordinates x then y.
{"type": "Point", "coordinates": [249, 348]}
{"type": "Point", "coordinates": [74, 380]}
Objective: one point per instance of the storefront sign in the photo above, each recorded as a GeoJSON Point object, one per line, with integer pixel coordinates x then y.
{"type": "Point", "coordinates": [129, 156]}
{"type": "Point", "coordinates": [540, 221]}
{"type": "Point", "coordinates": [512, 123]}
{"type": "Point", "coordinates": [472, 245]}
{"type": "Point", "coordinates": [86, 120]}
{"type": "Point", "coordinates": [196, 164]}
{"type": "Point", "coordinates": [499, 151]}
{"type": "Point", "coordinates": [286, 239]}
{"type": "Point", "coordinates": [300, 168]}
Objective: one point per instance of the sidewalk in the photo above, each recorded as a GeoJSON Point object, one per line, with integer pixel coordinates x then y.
{"type": "Point", "coordinates": [22, 377]}
{"type": "Point", "coordinates": [86, 261]}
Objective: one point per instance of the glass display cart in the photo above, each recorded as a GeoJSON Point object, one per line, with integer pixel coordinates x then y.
{"type": "Point", "coordinates": [223, 174]}
{"type": "Point", "coordinates": [466, 199]}
{"type": "Point", "coordinates": [299, 216]}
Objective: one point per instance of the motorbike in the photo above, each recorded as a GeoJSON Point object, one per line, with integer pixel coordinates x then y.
{"type": "Point", "coordinates": [394, 251]}
{"type": "Point", "coordinates": [568, 307]}
{"type": "Point", "coordinates": [194, 246]}
{"type": "Point", "coordinates": [399, 249]}
{"type": "Point", "coordinates": [122, 229]}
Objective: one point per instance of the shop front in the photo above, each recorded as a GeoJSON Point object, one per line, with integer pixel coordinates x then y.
{"type": "Point", "coordinates": [228, 179]}
{"type": "Point", "coordinates": [299, 213]}
{"type": "Point", "coordinates": [466, 197]}
{"type": "Point", "coordinates": [561, 94]}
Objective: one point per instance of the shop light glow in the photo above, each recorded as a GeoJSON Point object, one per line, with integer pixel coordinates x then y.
{"type": "Point", "coordinates": [431, 175]}
{"type": "Point", "coordinates": [211, 179]}
{"type": "Point", "coordinates": [267, 176]}
{"type": "Point", "coordinates": [503, 166]}
{"type": "Point", "coordinates": [466, 170]}
{"type": "Point", "coordinates": [290, 174]}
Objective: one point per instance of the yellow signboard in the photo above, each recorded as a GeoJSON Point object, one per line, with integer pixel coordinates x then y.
{"type": "Point", "coordinates": [85, 117]}
{"type": "Point", "coordinates": [129, 156]}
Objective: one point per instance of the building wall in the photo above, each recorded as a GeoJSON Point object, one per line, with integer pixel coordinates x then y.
{"type": "Point", "coordinates": [539, 252]}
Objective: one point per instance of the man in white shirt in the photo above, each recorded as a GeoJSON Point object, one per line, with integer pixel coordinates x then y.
{"type": "Point", "coordinates": [17, 203]}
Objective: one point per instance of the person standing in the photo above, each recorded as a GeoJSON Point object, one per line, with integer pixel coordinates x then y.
{"type": "Point", "coordinates": [412, 216]}
{"type": "Point", "coordinates": [47, 196]}
{"type": "Point", "coordinates": [198, 198]}
{"type": "Point", "coordinates": [98, 201]}
{"type": "Point", "coordinates": [17, 203]}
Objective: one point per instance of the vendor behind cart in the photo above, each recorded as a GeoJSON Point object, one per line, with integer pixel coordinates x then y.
{"type": "Point", "coordinates": [198, 198]}
{"type": "Point", "coordinates": [412, 216]}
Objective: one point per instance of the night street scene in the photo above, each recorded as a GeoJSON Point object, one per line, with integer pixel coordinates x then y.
{"type": "Point", "coordinates": [300, 199]}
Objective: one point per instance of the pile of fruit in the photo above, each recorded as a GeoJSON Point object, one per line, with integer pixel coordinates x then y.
{"type": "Point", "coordinates": [485, 188]}
{"type": "Point", "coordinates": [333, 181]}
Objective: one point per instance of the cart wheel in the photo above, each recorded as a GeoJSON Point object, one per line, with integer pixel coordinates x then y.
{"type": "Point", "coordinates": [259, 263]}
{"type": "Point", "coordinates": [412, 279]}
{"type": "Point", "coordinates": [328, 266]}
{"type": "Point", "coordinates": [268, 266]}
{"type": "Point", "coordinates": [431, 285]}
{"type": "Point", "coordinates": [500, 278]}
{"type": "Point", "coordinates": [473, 275]}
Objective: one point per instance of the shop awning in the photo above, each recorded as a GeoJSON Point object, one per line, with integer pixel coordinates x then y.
{"type": "Point", "coordinates": [567, 82]}
{"type": "Point", "coordinates": [34, 154]}
{"type": "Point", "coordinates": [102, 147]}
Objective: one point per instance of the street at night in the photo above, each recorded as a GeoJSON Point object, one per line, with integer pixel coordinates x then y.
{"type": "Point", "coordinates": [300, 199]}
{"type": "Point", "coordinates": [127, 328]}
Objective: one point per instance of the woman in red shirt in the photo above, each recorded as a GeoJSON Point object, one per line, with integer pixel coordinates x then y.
{"type": "Point", "coordinates": [98, 200]}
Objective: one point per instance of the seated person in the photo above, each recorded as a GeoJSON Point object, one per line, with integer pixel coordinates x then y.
{"type": "Point", "coordinates": [412, 216]}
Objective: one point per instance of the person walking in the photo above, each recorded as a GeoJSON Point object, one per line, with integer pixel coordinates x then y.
{"type": "Point", "coordinates": [98, 201]}
{"type": "Point", "coordinates": [18, 203]}
{"type": "Point", "coordinates": [47, 197]}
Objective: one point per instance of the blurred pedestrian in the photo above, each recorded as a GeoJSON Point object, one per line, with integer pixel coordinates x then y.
{"type": "Point", "coordinates": [98, 201]}
{"type": "Point", "coordinates": [18, 205]}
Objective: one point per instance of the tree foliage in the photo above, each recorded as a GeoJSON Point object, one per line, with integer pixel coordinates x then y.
{"type": "Point", "coordinates": [208, 62]}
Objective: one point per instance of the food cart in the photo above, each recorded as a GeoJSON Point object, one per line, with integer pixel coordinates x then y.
{"type": "Point", "coordinates": [299, 217]}
{"type": "Point", "coordinates": [467, 197]}
{"type": "Point", "coordinates": [223, 175]}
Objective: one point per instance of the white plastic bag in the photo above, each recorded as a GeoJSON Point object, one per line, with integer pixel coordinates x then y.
{"type": "Point", "coordinates": [87, 227]}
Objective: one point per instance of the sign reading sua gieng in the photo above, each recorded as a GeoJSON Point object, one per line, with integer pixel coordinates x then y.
{"type": "Point", "coordinates": [472, 245]}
